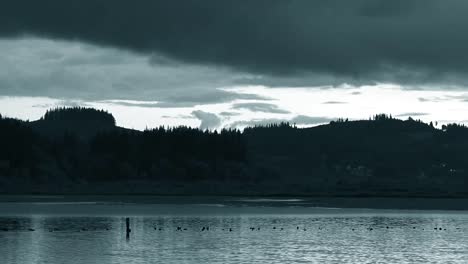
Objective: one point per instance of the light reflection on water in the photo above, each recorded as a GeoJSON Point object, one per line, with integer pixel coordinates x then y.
{"type": "Point", "coordinates": [339, 236]}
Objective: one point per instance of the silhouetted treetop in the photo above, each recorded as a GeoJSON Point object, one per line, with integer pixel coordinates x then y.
{"type": "Point", "coordinates": [79, 114]}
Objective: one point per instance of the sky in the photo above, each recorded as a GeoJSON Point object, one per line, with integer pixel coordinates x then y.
{"type": "Point", "coordinates": [221, 63]}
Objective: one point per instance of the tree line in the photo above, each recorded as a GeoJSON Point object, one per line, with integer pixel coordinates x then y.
{"type": "Point", "coordinates": [382, 155]}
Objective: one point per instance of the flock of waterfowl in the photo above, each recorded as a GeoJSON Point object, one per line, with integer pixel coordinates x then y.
{"type": "Point", "coordinates": [207, 228]}
{"type": "Point", "coordinates": [298, 228]}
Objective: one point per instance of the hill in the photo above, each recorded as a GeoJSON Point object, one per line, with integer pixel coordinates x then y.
{"type": "Point", "coordinates": [80, 150]}
{"type": "Point", "coordinates": [82, 122]}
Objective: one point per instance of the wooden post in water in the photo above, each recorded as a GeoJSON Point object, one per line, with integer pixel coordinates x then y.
{"type": "Point", "coordinates": [128, 230]}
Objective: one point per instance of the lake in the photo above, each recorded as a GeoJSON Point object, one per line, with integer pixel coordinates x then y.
{"type": "Point", "coordinates": [56, 230]}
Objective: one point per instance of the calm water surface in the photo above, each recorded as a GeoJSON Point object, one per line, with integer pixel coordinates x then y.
{"type": "Point", "coordinates": [241, 232]}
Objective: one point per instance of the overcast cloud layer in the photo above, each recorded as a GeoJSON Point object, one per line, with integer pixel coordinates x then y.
{"type": "Point", "coordinates": [362, 41]}
{"type": "Point", "coordinates": [75, 70]}
{"type": "Point", "coordinates": [212, 63]}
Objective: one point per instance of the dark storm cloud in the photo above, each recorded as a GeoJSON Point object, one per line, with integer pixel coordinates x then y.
{"type": "Point", "coordinates": [406, 41]}
{"type": "Point", "coordinates": [75, 70]}
{"type": "Point", "coordinates": [260, 107]}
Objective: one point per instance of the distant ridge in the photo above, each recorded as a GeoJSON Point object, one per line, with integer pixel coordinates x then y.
{"type": "Point", "coordinates": [80, 150]}
{"type": "Point", "coordinates": [80, 121]}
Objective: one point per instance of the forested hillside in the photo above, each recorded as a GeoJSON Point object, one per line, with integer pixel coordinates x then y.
{"type": "Point", "coordinates": [80, 150]}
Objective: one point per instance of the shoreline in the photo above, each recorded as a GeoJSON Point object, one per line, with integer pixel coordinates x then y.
{"type": "Point", "coordinates": [387, 203]}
